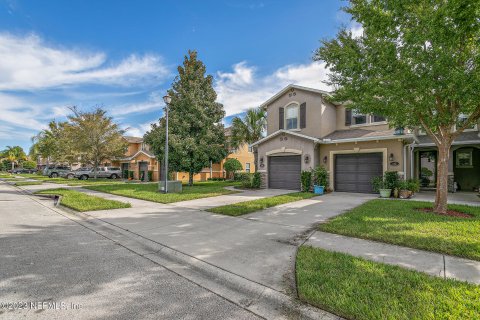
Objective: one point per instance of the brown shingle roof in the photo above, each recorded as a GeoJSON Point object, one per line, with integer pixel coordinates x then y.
{"type": "Point", "coordinates": [131, 139]}
{"type": "Point", "coordinates": [358, 133]}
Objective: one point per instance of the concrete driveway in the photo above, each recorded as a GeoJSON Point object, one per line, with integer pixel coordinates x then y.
{"type": "Point", "coordinates": [260, 246]}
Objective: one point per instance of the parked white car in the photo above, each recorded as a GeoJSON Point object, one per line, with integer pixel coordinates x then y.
{"type": "Point", "coordinates": [102, 172]}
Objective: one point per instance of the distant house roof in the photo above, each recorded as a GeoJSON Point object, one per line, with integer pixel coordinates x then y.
{"type": "Point", "coordinates": [292, 86]}
{"type": "Point", "coordinates": [228, 131]}
{"type": "Point", "coordinates": [131, 139]}
{"type": "Point", "coordinates": [360, 135]}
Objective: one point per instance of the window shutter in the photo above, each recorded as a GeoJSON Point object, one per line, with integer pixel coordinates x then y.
{"type": "Point", "coordinates": [348, 117]}
{"type": "Point", "coordinates": [303, 115]}
{"type": "Point", "coordinates": [281, 118]}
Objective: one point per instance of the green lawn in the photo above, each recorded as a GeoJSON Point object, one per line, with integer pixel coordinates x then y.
{"type": "Point", "coordinates": [241, 208]}
{"type": "Point", "coordinates": [83, 202]}
{"type": "Point", "coordinates": [399, 222]}
{"type": "Point", "coordinates": [359, 289]}
{"type": "Point", "coordinates": [149, 191]}
{"type": "Point", "coordinates": [73, 182]}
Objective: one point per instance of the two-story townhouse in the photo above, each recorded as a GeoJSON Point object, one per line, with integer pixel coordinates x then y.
{"type": "Point", "coordinates": [139, 160]}
{"type": "Point", "coordinates": [243, 153]}
{"type": "Point", "coordinates": [304, 130]}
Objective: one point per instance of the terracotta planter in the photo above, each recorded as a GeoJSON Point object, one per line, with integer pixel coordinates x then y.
{"type": "Point", "coordinates": [405, 194]}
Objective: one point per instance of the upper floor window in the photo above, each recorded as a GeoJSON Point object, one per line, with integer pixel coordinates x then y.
{"type": "Point", "coordinates": [462, 118]}
{"type": "Point", "coordinates": [358, 118]}
{"type": "Point", "coordinates": [377, 118]}
{"type": "Point", "coordinates": [291, 116]}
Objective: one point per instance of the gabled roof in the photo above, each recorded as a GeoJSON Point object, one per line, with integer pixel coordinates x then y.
{"type": "Point", "coordinates": [145, 152]}
{"type": "Point", "coordinates": [292, 86]}
{"type": "Point", "coordinates": [276, 133]}
{"type": "Point", "coordinates": [131, 139]}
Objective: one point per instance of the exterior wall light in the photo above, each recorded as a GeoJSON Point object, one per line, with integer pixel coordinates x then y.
{"type": "Point", "coordinates": [325, 159]}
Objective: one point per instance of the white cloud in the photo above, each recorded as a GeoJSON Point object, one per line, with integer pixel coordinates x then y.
{"type": "Point", "coordinates": [243, 88]}
{"type": "Point", "coordinates": [155, 101]}
{"type": "Point", "coordinates": [138, 130]}
{"type": "Point", "coordinates": [28, 63]}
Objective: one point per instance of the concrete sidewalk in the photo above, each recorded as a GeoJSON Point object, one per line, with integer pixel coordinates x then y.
{"type": "Point", "coordinates": [435, 264]}
{"type": "Point", "coordinates": [461, 197]}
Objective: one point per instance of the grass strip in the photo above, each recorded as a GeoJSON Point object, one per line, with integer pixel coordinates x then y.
{"type": "Point", "coordinates": [83, 202]}
{"type": "Point", "coordinates": [241, 208]}
{"type": "Point", "coordinates": [149, 191]}
{"type": "Point", "coordinates": [401, 222]}
{"type": "Point", "coordinates": [27, 183]}
{"type": "Point", "coordinates": [359, 289]}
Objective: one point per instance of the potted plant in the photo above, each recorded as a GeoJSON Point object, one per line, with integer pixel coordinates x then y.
{"type": "Point", "coordinates": [404, 193]}
{"type": "Point", "coordinates": [413, 186]}
{"type": "Point", "coordinates": [425, 175]}
{"type": "Point", "coordinates": [320, 180]}
{"type": "Point", "coordinates": [380, 185]}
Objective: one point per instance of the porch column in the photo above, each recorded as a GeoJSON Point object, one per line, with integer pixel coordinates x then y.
{"type": "Point", "coordinates": [451, 176]}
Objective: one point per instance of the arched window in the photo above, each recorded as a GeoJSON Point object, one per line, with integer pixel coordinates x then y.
{"type": "Point", "coordinates": [291, 116]}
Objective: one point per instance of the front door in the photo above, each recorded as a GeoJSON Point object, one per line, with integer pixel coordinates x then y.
{"type": "Point", "coordinates": [428, 168]}
{"type": "Point", "coordinates": [125, 170]}
{"type": "Point", "coordinates": [143, 168]}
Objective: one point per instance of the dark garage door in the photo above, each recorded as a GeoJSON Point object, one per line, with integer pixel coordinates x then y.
{"type": "Point", "coordinates": [284, 172]}
{"type": "Point", "coordinates": [354, 172]}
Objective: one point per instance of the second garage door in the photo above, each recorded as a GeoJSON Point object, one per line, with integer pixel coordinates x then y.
{"type": "Point", "coordinates": [354, 172]}
{"type": "Point", "coordinates": [284, 172]}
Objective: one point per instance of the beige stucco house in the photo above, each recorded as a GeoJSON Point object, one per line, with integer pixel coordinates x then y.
{"type": "Point", "coordinates": [304, 130]}
{"type": "Point", "coordinates": [138, 161]}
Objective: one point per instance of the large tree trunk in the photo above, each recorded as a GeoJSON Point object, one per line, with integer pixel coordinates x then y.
{"type": "Point", "coordinates": [442, 177]}
{"type": "Point", "coordinates": [190, 178]}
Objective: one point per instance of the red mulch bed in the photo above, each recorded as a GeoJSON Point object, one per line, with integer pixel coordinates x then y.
{"type": "Point", "coordinates": [450, 213]}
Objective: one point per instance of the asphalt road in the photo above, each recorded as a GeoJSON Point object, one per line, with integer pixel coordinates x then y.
{"type": "Point", "coordinates": [51, 267]}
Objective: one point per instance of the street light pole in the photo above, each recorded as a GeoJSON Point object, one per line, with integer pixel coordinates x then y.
{"type": "Point", "coordinates": [167, 99]}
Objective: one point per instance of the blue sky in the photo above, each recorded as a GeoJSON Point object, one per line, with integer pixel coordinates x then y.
{"type": "Point", "coordinates": [122, 55]}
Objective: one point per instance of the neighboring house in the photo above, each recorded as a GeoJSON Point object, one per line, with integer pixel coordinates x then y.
{"type": "Point", "coordinates": [243, 154]}
{"type": "Point", "coordinates": [304, 130]}
{"type": "Point", "coordinates": [138, 159]}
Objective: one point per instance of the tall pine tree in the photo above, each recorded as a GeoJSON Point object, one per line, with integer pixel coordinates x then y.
{"type": "Point", "coordinates": [196, 132]}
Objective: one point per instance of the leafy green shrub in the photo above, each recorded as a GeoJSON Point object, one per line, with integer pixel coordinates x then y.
{"type": "Point", "coordinates": [306, 178]}
{"type": "Point", "coordinates": [391, 179]}
{"type": "Point", "coordinates": [216, 179]}
{"type": "Point", "coordinates": [125, 174]}
{"type": "Point", "coordinates": [320, 176]}
{"type": "Point", "coordinates": [150, 175]}
{"type": "Point", "coordinates": [379, 183]}
{"type": "Point", "coordinates": [231, 166]}
{"type": "Point", "coordinates": [29, 164]}
{"type": "Point", "coordinates": [256, 180]}
{"type": "Point", "coordinates": [240, 176]}
{"type": "Point", "coordinates": [413, 185]}
{"type": "Point", "coordinates": [130, 174]}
